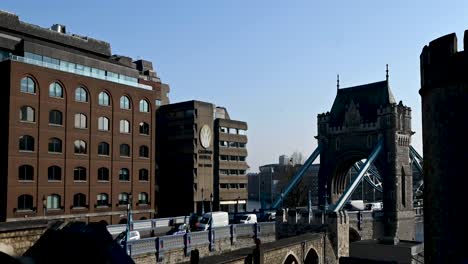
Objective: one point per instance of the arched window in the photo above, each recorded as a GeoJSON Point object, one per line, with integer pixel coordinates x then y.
{"type": "Point", "coordinates": [80, 120]}
{"type": "Point", "coordinates": [124, 150]}
{"type": "Point", "coordinates": [79, 200]}
{"type": "Point", "coordinates": [143, 198]}
{"type": "Point", "coordinates": [25, 202]}
{"type": "Point", "coordinates": [55, 145]}
{"type": "Point", "coordinates": [53, 201]}
{"type": "Point", "coordinates": [54, 173]}
{"type": "Point", "coordinates": [124, 126]}
{"type": "Point", "coordinates": [103, 174]}
{"type": "Point", "coordinates": [26, 143]}
{"type": "Point", "coordinates": [25, 173]}
{"type": "Point", "coordinates": [80, 147]}
{"type": "Point", "coordinates": [144, 106]}
{"type": "Point", "coordinates": [144, 128]}
{"type": "Point", "coordinates": [124, 102]}
{"type": "Point", "coordinates": [28, 85]}
{"type": "Point", "coordinates": [103, 123]}
{"type": "Point", "coordinates": [103, 99]}
{"type": "Point", "coordinates": [124, 174]}
{"type": "Point", "coordinates": [81, 95]}
{"type": "Point", "coordinates": [143, 175]}
{"type": "Point", "coordinates": [102, 199]}
{"type": "Point", "coordinates": [27, 114]}
{"type": "Point", "coordinates": [144, 152]}
{"type": "Point", "coordinates": [55, 90]}
{"type": "Point", "coordinates": [103, 149]}
{"type": "Point", "coordinates": [55, 117]}
{"type": "Point", "coordinates": [79, 174]}
{"type": "Point", "coordinates": [123, 198]}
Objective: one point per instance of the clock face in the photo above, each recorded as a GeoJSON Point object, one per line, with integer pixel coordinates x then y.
{"type": "Point", "coordinates": [205, 136]}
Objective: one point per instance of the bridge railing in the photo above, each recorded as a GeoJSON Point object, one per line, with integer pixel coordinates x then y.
{"type": "Point", "coordinates": [160, 245]}
{"type": "Point", "coordinates": [148, 224]}
{"type": "Point", "coordinates": [418, 211]}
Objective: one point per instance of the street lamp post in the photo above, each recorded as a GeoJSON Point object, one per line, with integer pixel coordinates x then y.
{"type": "Point", "coordinates": [271, 187]}
{"type": "Point", "coordinates": [211, 202]}
{"type": "Point", "coordinates": [44, 205]}
{"type": "Point", "coordinates": [202, 203]}
{"type": "Point", "coordinates": [129, 221]}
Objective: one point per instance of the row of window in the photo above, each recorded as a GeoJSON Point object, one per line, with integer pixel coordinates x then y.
{"type": "Point", "coordinates": [26, 143]}
{"type": "Point", "coordinates": [231, 172]}
{"type": "Point", "coordinates": [232, 186]}
{"type": "Point", "coordinates": [25, 201]}
{"type": "Point", "coordinates": [81, 95]}
{"type": "Point", "coordinates": [232, 158]}
{"type": "Point", "coordinates": [231, 144]}
{"type": "Point", "coordinates": [27, 114]}
{"type": "Point", "coordinates": [234, 131]}
{"type": "Point", "coordinates": [54, 173]}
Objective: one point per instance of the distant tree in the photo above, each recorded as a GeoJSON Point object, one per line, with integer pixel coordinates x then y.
{"type": "Point", "coordinates": [298, 195]}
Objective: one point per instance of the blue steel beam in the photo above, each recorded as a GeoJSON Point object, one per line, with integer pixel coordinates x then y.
{"type": "Point", "coordinates": [297, 176]}
{"type": "Point", "coordinates": [350, 189]}
{"type": "Point", "coordinates": [368, 179]}
{"type": "Point", "coordinates": [416, 153]}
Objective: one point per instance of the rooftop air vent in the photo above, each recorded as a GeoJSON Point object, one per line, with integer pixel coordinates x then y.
{"type": "Point", "coordinates": [59, 28]}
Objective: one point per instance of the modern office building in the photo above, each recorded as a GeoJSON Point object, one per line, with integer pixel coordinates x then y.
{"type": "Point", "coordinates": [201, 159]}
{"type": "Point", "coordinates": [230, 163]}
{"type": "Point", "coordinates": [81, 128]}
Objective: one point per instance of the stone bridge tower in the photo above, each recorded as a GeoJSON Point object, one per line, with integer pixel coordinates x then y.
{"type": "Point", "coordinates": [359, 118]}
{"type": "Point", "coordinates": [444, 94]}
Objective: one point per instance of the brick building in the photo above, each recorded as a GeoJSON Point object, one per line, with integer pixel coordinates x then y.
{"type": "Point", "coordinates": [81, 126]}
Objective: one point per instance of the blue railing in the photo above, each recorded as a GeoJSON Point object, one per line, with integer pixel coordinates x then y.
{"type": "Point", "coordinates": [163, 244]}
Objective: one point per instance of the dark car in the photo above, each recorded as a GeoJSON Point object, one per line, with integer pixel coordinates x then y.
{"type": "Point", "coordinates": [178, 229]}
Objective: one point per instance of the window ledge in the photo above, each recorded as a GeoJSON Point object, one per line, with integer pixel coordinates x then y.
{"type": "Point", "coordinates": [54, 180]}
{"type": "Point", "coordinates": [27, 122]}
{"type": "Point", "coordinates": [81, 128]}
{"type": "Point", "coordinates": [26, 181]}
{"type": "Point", "coordinates": [102, 181]}
{"type": "Point", "coordinates": [25, 211]}
{"type": "Point", "coordinates": [80, 181]}
{"type": "Point", "coordinates": [55, 125]}
{"type": "Point", "coordinates": [81, 154]}
{"type": "Point", "coordinates": [26, 151]}
{"type": "Point", "coordinates": [55, 153]}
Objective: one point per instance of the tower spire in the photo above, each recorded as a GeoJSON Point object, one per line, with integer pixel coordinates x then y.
{"type": "Point", "coordinates": [337, 82]}
{"type": "Point", "coordinates": [387, 73]}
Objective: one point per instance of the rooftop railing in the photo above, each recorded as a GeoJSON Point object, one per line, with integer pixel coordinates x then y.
{"type": "Point", "coordinates": [77, 71]}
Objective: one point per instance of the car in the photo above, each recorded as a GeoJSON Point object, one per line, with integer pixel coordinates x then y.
{"type": "Point", "coordinates": [213, 219]}
{"type": "Point", "coordinates": [248, 219]}
{"type": "Point", "coordinates": [178, 229]}
{"type": "Point", "coordinates": [133, 235]}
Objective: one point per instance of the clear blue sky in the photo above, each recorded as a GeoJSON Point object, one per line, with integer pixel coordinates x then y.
{"type": "Point", "coordinates": [271, 63]}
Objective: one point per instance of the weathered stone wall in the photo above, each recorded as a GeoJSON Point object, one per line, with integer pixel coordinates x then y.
{"type": "Point", "coordinates": [16, 238]}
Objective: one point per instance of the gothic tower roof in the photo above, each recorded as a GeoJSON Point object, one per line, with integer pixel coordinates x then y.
{"type": "Point", "coordinates": [367, 98]}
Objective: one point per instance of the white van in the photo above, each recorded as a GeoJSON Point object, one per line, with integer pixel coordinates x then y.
{"type": "Point", "coordinates": [214, 219]}
{"type": "Point", "coordinates": [248, 219]}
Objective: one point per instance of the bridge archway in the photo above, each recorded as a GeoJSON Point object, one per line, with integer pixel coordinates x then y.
{"type": "Point", "coordinates": [291, 259]}
{"type": "Point", "coordinates": [345, 160]}
{"type": "Point", "coordinates": [354, 235]}
{"type": "Point", "coordinates": [312, 257]}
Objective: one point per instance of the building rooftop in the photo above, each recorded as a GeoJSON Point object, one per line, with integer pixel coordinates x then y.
{"type": "Point", "coordinates": [368, 98]}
